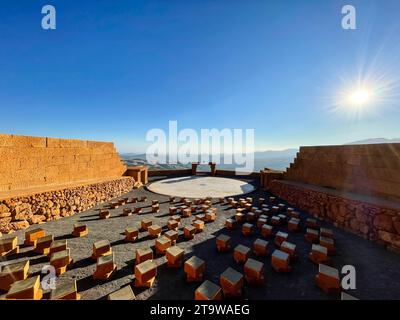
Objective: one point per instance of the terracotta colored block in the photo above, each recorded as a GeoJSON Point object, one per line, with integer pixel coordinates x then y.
{"type": "Point", "coordinates": [328, 243]}
{"type": "Point", "coordinates": [199, 225]}
{"type": "Point", "coordinates": [289, 248]}
{"type": "Point", "coordinates": [154, 231]}
{"type": "Point", "coordinates": [58, 245]}
{"type": "Point", "coordinates": [43, 244]}
{"type": "Point", "coordinates": [266, 212]}
{"type": "Point", "coordinates": [250, 216]}
{"type": "Point", "coordinates": [143, 254]}
{"type": "Point", "coordinates": [105, 267]}
{"type": "Point", "coordinates": [174, 257]}
{"type": "Point", "coordinates": [80, 230]}
{"type": "Point", "coordinates": [60, 260]}
{"type": "Point", "coordinates": [280, 261]}
{"type": "Point", "coordinates": [171, 199]}
{"type": "Point", "coordinates": [223, 243]}
{"type": "Point", "coordinates": [65, 291]}
{"type": "Point", "coordinates": [311, 235]}
{"type": "Point", "coordinates": [101, 248]}
{"type": "Point", "coordinates": [231, 283]}
{"type": "Point", "coordinates": [32, 235]}
{"type": "Point", "coordinates": [294, 225]}
{"type": "Point", "coordinates": [131, 234]}
{"type": "Point", "coordinates": [261, 201]}
{"type": "Point", "coordinates": [172, 235]}
{"type": "Point", "coordinates": [289, 210]}
{"type": "Point", "coordinates": [137, 210]}
{"type": "Point", "coordinates": [145, 224]}
{"type": "Point", "coordinates": [210, 216]}
{"type": "Point", "coordinates": [113, 205]}
{"type": "Point", "coordinates": [194, 269]}
{"type": "Point", "coordinates": [275, 220]}
{"type": "Point", "coordinates": [208, 291]}
{"type": "Point", "coordinates": [13, 272]}
{"type": "Point", "coordinates": [186, 212]}
{"type": "Point", "coordinates": [328, 279]}
{"type": "Point", "coordinates": [221, 200]}
{"type": "Point", "coordinates": [280, 237]}
{"type": "Point", "coordinates": [254, 271]}
{"type": "Point", "coordinates": [241, 253]}
{"type": "Point", "coordinates": [281, 207]}
{"type": "Point", "coordinates": [26, 289]}
{"type": "Point", "coordinates": [294, 214]}
{"type": "Point", "coordinates": [104, 214]}
{"type": "Point", "coordinates": [124, 293]}
{"type": "Point", "coordinates": [201, 217]}
{"type": "Point", "coordinates": [172, 225]}
{"type": "Point", "coordinates": [155, 202]}
{"type": "Point", "coordinates": [133, 200]}
{"type": "Point", "coordinates": [234, 204]}
{"type": "Point", "coordinates": [247, 229]}
{"type": "Point", "coordinates": [261, 222]}
{"type": "Point", "coordinates": [258, 213]}
{"type": "Point", "coordinates": [143, 199]}
{"type": "Point", "coordinates": [248, 206]}
{"type": "Point", "coordinates": [319, 254]}
{"type": "Point", "coordinates": [311, 223]}
{"type": "Point", "coordinates": [8, 246]}
{"type": "Point", "coordinates": [162, 244]}
{"type": "Point", "coordinates": [325, 232]}
{"type": "Point", "coordinates": [127, 212]}
{"type": "Point", "coordinates": [266, 230]}
{"type": "Point", "coordinates": [230, 224]}
{"type": "Point", "coordinates": [172, 210]}
{"type": "Point", "coordinates": [176, 218]}
{"type": "Point", "coordinates": [275, 209]}
{"type": "Point", "coordinates": [155, 208]}
{"type": "Point", "coordinates": [189, 232]}
{"type": "Point", "coordinates": [260, 247]}
{"type": "Point", "coordinates": [145, 274]}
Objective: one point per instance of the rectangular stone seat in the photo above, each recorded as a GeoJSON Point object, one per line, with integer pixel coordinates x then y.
{"type": "Point", "coordinates": [311, 235]}
{"type": "Point", "coordinates": [240, 217]}
{"type": "Point", "coordinates": [65, 291]}
{"type": "Point", "coordinates": [325, 232]}
{"type": "Point", "coordinates": [260, 247]}
{"type": "Point", "coordinates": [253, 209]}
{"type": "Point", "coordinates": [199, 225]}
{"type": "Point", "coordinates": [289, 210]}
{"type": "Point", "coordinates": [280, 237]}
{"type": "Point", "coordinates": [155, 202]}
{"type": "Point", "coordinates": [208, 291]}
{"type": "Point", "coordinates": [311, 223]}
{"type": "Point", "coordinates": [172, 210]}
{"type": "Point", "coordinates": [290, 249]}
{"type": "Point", "coordinates": [271, 199]}
{"type": "Point", "coordinates": [210, 216]}
{"type": "Point", "coordinates": [261, 201]}
{"type": "Point", "coordinates": [328, 279]}
{"type": "Point", "coordinates": [319, 254]}
{"type": "Point", "coordinates": [186, 212]}
{"type": "Point", "coordinates": [275, 220]}
{"type": "Point", "coordinates": [281, 207]}
{"type": "Point", "coordinates": [155, 208]}
{"type": "Point", "coordinates": [32, 235]}
{"type": "Point", "coordinates": [101, 248]}
{"type": "Point", "coordinates": [280, 261]}
{"type": "Point", "coordinates": [27, 289]}
{"type": "Point", "coordinates": [43, 244]}
{"type": "Point", "coordinates": [114, 205]}
{"type": "Point", "coordinates": [13, 272]}
{"type": "Point", "coordinates": [125, 293]}
{"type": "Point", "coordinates": [254, 271]}
{"type": "Point", "coordinates": [154, 231]}
{"type": "Point", "coordinates": [266, 230]}
{"type": "Point", "coordinates": [127, 212]}
{"type": "Point", "coordinates": [145, 224]}
{"type": "Point", "coordinates": [267, 212]}
{"type": "Point", "coordinates": [294, 225]}
{"type": "Point", "coordinates": [230, 224]}
{"type": "Point", "coordinates": [143, 254]}
{"type": "Point", "coordinates": [231, 282]}
{"type": "Point", "coordinates": [132, 200]}
{"type": "Point", "coordinates": [200, 216]}
{"type": "Point", "coordinates": [250, 216]}
{"type": "Point", "coordinates": [258, 213]}
{"type": "Point", "coordinates": [105, 267]}
{"type": "Point", "coordinates": [174, 257]}
{"type": "Point", "coordinates": [60, 260]}
{"type": "Point", "coordinates": [223, 243]}
{"type": "Point", "coordinates": [189, 231]}
{"type": "Point", "coordinates": [194, 269]}
{"type": "Point", "coordinates": [131, 234]}
{"type": "Point", "coordinates": [261, 222]}
{"type": "Point", "coordinates": [248, 206]}
{"type": "Point", "coordinates": [162, 244]}
{"type": "Point", "coordinates": [8, 246]}
{"type": "Point", "coordinates": [172, 235]}
{"type": "Point", "coordinates": [247, 229]}
{"type": "Point", "coordinates": [241, 253]}
{"type": "Point", "coordinates": [171, 199]}
{"type": "Point", "coordinates": [58, 245]}
{"type": "Point", "coordinates": [205, 207]}
{"type": "Point", "coordinates": [328, 243]}
{"type": "Point", "coordinates": [172, 225]}
{"type": "Point", "coordinates": [234, 204]}
{"type": "Point", "coordinates": [283, 218]}
{"type": "Point", "coordinates": [221, 200]}
{"type": "Point", "coordinates": [104, 214]}
{"type": "Point", "coordinates": [80, 230]}
{"type": "Point", "coordinates": [137, 210]}
{"type": "Point", "coordinates": [294, 214]}
{"type": "Point", "coordinates": [145, 274]}
{"type": "Point", "coordinates": [143, 199]}
{"type": "Point", "coordinates": [275, 209]}
{"type": "Point", "coordinates": [176, 218]}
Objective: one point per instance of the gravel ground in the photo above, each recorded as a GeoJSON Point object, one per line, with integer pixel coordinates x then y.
{"type": "Point", "coordinates": [378, 272]}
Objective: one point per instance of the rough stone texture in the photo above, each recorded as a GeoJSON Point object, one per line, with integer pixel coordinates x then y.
{"type": "Point", "coordinates": [20, 212]}
{"type": "Point", "coordinates": [371, 220]}
{"type": "Point", "coordinates": [27, 162]}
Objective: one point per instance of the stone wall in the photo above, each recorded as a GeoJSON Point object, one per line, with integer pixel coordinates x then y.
{"type": "Point", "coordinates": [372, 170]}
{"type": "Point", "coordinates": [21, 211]}
{"type": "Point", "coordinates": [366, 216]}
{"type": "Point", "coordinates": [27, 162]}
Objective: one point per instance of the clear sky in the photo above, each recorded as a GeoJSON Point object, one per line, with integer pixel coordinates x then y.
{"type": "Point", "coordinates": [112, 70]}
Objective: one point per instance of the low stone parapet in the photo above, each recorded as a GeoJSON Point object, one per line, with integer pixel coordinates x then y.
{"type": "Point", "coordinates": [20, 209]}
{"type": "Point", "coordinates": [376, 219]}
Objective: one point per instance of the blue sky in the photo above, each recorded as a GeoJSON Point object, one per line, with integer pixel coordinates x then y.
{"type": "Point", "coordinates": [112, 70]}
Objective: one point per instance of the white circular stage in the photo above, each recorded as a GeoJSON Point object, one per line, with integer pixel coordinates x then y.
{"type": "Point", "coordinates": [201, 187]}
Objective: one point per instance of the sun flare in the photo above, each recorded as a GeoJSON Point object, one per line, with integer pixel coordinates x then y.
{"type": "Point", "coordinates": [360, 97]}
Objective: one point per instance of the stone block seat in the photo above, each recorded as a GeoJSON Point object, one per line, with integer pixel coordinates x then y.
{"type": "Point", "coordinates": [13, 272]}
{"type": "Point", "coordinates": [26, 289]}
{"type": "Point", "coordinates": [65, 291]}
{"type": "Point", "coordinates": [208, 291]}
{"type": "Point", "coordinates": [125, 293]}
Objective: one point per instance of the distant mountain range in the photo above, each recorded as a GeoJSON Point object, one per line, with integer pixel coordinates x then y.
{"type": "Point", "coordinates": [376, 140]}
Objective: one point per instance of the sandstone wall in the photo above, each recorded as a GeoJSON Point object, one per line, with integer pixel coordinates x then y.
{"type": "Point", "coordinates": [27, 162]}
{"type": "Point", "coordinates": [364, 169]}
{"type": "Point", "coordinates": [375, 220]}
{"type": "Point", "coordinates": [20, 212]}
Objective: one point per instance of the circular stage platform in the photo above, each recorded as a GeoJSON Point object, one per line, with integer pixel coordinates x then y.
{"type": "Point", "coordinates": [201, 187]}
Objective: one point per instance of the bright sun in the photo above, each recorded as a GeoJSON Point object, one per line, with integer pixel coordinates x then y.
{"type": "Point", "coordinates": [360, 97]}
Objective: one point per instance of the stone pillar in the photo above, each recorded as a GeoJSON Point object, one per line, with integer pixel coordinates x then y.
{"type": "Point", "coordinates": [194, 168]}
{"type": "Point", "coordinates": [213, 166]}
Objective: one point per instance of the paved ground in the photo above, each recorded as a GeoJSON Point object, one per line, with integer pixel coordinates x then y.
{"type": "Point", "coordinates": [378, 272]}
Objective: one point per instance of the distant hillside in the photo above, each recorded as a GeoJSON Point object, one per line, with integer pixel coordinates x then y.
{"type": "Point", "coordinates": [375, 141]}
